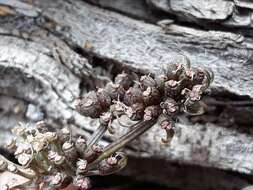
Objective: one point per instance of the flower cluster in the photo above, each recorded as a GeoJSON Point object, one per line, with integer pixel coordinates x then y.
{"type": "Point", "coordinates": [158, 98]}
{"type": "Point", "coordinates": [56, 159]}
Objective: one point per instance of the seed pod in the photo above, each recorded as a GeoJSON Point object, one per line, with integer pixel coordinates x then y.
{"type": "Point", "coordinates": [83, 183]}
{"type": "Point", "coordinates": [93, 153]}
{"type": "Point", "coordinates": [172, 88]}
{"type": "Point", "coordinates": [89, 105]}
{"type": "Point", "coordinates": [124, 80]}
{"type": "Point", "coordinates": [81, 166]}
{"type": "Point", "coordinates": [81, 145]}
{"type": "Point", "coordinates": [147, 81]}
{"type": "Point", "coordinates": [170, 107]}
{"type": "Point", "coordinates": [136, 111]}
{"type": "Point", "coordinates": [151, 112]}
{"type": "Point", "coordinates": [115, 91]}
{"type": "Point", "coordinates": [104, 98]}
{"type": "Point", "coordinates": [69, 150]}
{"type": "Point", "coordinates": [133, 95]}
{"type": "Point", "coordinates": [151, 96]}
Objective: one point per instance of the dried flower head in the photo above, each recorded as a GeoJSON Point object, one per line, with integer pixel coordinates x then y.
{"type": "Point", "coordinates": [58, 159]}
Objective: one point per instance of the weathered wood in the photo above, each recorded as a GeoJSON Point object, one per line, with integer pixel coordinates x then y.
{"type": "Point", "coordinates": [137, 9]}
{"type": "Point", "coordinates": [144, 46]}
{"type": "Point", "coordinates": [44, 65]}
{"type": "Point", "coordinates": [236, 14]}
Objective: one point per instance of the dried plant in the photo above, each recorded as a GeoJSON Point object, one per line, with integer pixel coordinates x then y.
{"type": "Point", "coordinates": [56, 159]}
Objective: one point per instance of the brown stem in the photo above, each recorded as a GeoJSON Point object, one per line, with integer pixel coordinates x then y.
{"type": "Point", "coordinates": [135, 132]}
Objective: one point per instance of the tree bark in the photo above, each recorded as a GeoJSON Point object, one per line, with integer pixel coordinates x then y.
{"type": "Point", "coordinates": [52, 52]}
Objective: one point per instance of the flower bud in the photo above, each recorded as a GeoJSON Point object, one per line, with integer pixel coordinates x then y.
{"type": "Point", "coordinates": [151, 96]}
{"type": "Point", "coordinates": [170, 107]}
{"type": "Point", "coordinates": [11, 144]}
{"type": "Point", "coordinates": [106, 118]}
{"type": "Point", "coordinates": [89, 105]}
{"type": "Point", "coordinates": [173, 71]}
{"type": "Point", "coordinates": [52, 155]}
{"type": "Point", "coordinates": [147, 81]}
{"type": "Point", "coordinates": [24, 159]}
{"type": "Point", "coordinates": [19, 130]}
{"type": "Point", "coordinates": [172, 88]}
{"type": "Point", "coordinates": [81, 145]}
{"type": "Point", "coordinates": [133, 95]}
{"type": "Point", "coordinates": [160, 81]}
{"type": "Point", "coordinates": [104, 98]}
{"type": "Point", "coordinates": [193, 107]}
{"type": "Point", "coordinates": [64, 134]}
{"type": "Point", "coordinates": [12, 168]}
{"type": "Point", "coordinates": [83, 183]}
{"type": "Point", "coordinates": [112, 164]}
{"type": "Point", "coordinates": [41, 126]}
{"type": "Point", "coordinates": [60, 180]}
{"type": "Point", "coordinates": [168, 126]}
{"type": "Point", "coordinates": [51, 136]}
{"type": "Point", "coordinates": [19, 150]}
{"type": "Point", "coordinates": [81, 166]}
{"type": "Point", "coordinates": [199, 76]}
{"type": "Point", "coordinates": [136, 111]}
{"type": "Point", "coordinates": [151, 112]}
{"type": "Point", "coordinates": [93, 153]}
{"type": "Point", "coordinates": [59, 160]}
{"type": "Point", "coordinates": [124, 80]}
{"type": "Point", "coordinates": [69, 150]}
{"type": "Point", "coordinates": [115, 91]}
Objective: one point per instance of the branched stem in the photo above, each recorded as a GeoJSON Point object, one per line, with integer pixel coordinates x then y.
{"type": "Point", "coordinates": [135, 132]}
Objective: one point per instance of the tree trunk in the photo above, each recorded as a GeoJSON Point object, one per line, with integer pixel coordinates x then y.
{"type": "Point", "coordinates": [53, 51]}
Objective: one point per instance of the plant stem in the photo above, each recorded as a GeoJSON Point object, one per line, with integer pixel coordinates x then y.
{"type": "Point", "coordinates": [138, 130]}
{"type": "Point", "coordinates": [96, 136]}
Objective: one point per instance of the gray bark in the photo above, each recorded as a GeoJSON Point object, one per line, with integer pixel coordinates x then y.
{"type": "Point", "coordinates": [52, 52]}
{"type": "Point", "coordinates": [236, 14]}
